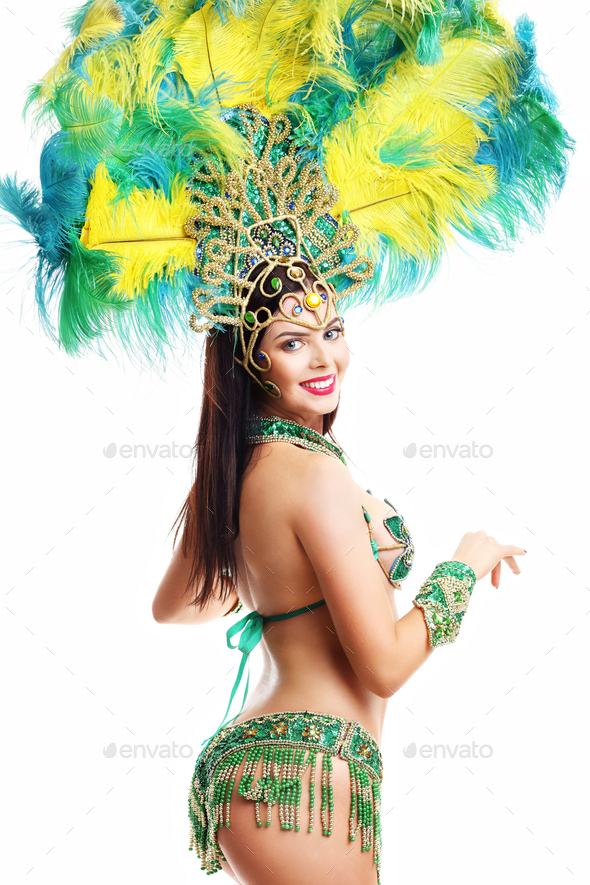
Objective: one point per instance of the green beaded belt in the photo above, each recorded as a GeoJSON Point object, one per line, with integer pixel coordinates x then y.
{"type": "Point", "coordinates": [288, 743]}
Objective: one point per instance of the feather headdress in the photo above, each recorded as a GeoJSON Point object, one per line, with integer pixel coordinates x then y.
{"type": "Point", "coordinates": [429, 119]}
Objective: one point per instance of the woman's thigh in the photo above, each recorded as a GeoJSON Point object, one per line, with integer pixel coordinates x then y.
{"type": "Point", "coordinates": [261, 855]}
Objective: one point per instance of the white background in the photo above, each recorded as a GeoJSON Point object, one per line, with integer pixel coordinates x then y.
{"type": "Point", "coordinates": [494, 353]}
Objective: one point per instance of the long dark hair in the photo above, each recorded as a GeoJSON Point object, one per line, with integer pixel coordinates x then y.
{"type": "Point", "coordinates": [209, 517]}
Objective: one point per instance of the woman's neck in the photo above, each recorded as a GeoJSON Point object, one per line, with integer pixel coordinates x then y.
{"type": "Point", "coordinates": [270, 410]}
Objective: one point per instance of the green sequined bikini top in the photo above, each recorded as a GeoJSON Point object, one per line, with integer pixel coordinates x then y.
{"type": "Point", "coordinates": [276, 429]}
{"type": "Point", "coordinates": [262, 430]}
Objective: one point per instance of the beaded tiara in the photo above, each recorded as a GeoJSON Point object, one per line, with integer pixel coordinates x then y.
{"type": "Point", "coordinates": [271, 211]}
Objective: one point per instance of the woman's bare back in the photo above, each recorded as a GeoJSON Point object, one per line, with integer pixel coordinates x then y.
{"type": "Point", "coordinates": [304, 664]}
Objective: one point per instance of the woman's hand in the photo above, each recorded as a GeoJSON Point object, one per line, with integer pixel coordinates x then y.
{"type": "Point", "coordinates": [484, 554]}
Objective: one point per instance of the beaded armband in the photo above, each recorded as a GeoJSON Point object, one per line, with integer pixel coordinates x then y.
{"type": "Point", "coordinates": [443, 598]}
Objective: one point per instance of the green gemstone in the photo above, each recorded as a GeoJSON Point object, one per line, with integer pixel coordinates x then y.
{"type": "Point", "coordinates": [249, 317]}
{"type": "Point", "coordinates": [275, 283]}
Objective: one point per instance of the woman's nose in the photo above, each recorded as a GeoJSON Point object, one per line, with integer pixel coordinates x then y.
{"type": "Point", "coordinates": [320, 353]}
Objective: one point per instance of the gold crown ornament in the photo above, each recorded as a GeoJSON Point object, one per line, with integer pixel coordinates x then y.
{"type": "Point", "coordinates": [271, 211]}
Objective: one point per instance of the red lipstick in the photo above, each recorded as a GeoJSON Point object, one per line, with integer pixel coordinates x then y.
{"type": "Point", "coordinates": [320, 391]}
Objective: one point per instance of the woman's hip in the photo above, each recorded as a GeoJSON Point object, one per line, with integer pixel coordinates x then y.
{"type": "Point", "coordinates": [274, 759]}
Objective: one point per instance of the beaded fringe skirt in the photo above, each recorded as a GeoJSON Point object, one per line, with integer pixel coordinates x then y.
{"type": "Point", "coordinates": [288, 742]}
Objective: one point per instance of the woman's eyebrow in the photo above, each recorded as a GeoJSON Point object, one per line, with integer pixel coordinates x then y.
{"type": "Point", "coordinates": [303, 332]}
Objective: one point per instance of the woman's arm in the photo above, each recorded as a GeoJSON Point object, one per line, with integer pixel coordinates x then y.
{"type": "Point", "coordinates": [171, 602]}
{"type": "Point", "coordinates": [328, 520]}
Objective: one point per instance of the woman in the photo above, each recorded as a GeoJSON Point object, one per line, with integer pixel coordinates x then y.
{"type": "Point", "coordinates": [301, 536]}
{"type": "Point", "coordinates": [232, 154]}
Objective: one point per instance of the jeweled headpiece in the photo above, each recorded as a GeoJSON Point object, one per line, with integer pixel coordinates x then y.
{"type": "Point", "coordinates": [195, 148]}
{"type": "Point", "coordinates": [270, 211]}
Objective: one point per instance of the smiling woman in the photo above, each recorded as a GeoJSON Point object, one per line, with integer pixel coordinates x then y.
{"type": "Point", "coordinates": [244, 170]}
{"type": "Point", "coordinates": [291, 354]}
{"type": "Point", "coordinates": [284, 530]}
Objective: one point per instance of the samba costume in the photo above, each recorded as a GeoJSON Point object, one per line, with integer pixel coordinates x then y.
{"type": "Point", "coordinates": [203, 149]}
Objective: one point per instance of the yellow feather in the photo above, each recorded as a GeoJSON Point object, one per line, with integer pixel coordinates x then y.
{"type": "Point", "coordinates": [146, 231]}
{"type": "Point", "coordinates": [147, 48]}
{"type": "Point", "coordinates": [425, 103]}
{"type": "Point", "coordinates": [246, 50]}
{"type": "Point", "coordinates": [193, 44]}
{"type": "Point", "coordinates": [111, 71]}
{"type": "Point", "coordinates": [407, 9]}
{"type": "Point", "coordinates": [103, 19]}
{"type": "Point", "coordinates": [319, 28]}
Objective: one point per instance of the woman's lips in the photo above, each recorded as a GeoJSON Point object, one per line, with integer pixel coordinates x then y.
{"type": "Point", "coordinates": [321, 391]}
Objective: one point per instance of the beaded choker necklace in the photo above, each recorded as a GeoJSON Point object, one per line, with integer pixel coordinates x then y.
{"type": "Point", "coordinates": [276, 429]}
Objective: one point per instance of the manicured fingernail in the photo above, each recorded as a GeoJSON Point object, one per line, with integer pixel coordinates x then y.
{"type": "Point", "coordinates": [524, 550]}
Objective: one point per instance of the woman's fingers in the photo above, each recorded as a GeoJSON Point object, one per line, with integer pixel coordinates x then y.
{"type": "Point", "coordinates": [510, 560]}
{"type": "Point", "coordinates": [495, 575]}
{"type": "Point", "coordinates": [511, 550]}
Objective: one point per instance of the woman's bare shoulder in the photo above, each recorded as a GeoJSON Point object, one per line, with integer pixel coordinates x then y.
{"type": "Point", "coordinates": [296, 463]}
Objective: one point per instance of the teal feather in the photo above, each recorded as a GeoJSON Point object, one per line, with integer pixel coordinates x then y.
{"type": "Point", "coordinates": [91, 123]}
{"type": "Point", "coordinates": [148, 169]}
{"type": "Point", "coordinates": [466, 18]}
{"type": "Point", "coordinates": [397, 276]}
{"type": "Point", "coordinates": [532, 79]}
{"type": "Point", "coordinates": [530, 150]}
{"type": "Point", "coordinates": [428, 48]}
{"type": "Point", "coordinates": [23, 201]}
{"type": "Point", "coordinates": [65, 189]}
{"type": "Point", "coordinates": [532, 158]}
{"type": "Point", "coordinates": [370, 55]}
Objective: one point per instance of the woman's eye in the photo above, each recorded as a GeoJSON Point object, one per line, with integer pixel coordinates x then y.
{"type": "Point", "coordinates": [296, 343]}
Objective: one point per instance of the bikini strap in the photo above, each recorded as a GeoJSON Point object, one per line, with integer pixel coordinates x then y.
{"type": "Point", "coordinates": [298, 611]}
{"type": "Point", "coordinates": [250, 630]}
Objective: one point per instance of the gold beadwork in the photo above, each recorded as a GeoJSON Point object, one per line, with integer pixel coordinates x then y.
{"type": "Point", "coordinates": [365, 751]}
{"type": "Point", "coordinates": [312, 732]}
{"type": "Point", "coordinates": [279, 728]}
{"type": "Point", "coordinates": [300, 196]}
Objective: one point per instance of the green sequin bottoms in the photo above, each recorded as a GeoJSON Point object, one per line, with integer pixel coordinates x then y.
{"type": "Point", "coordinates": [288, 743]}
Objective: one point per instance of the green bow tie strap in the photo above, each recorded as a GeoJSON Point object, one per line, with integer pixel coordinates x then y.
{"type": "Point", "coordinates": [250, 630]}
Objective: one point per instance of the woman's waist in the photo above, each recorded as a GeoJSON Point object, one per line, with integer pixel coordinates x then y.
{"type": "Point", "coordinates": [338, 697]}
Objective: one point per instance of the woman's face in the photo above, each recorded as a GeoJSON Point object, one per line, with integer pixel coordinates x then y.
{"type": "Point", "coordinates": [308, 365]}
